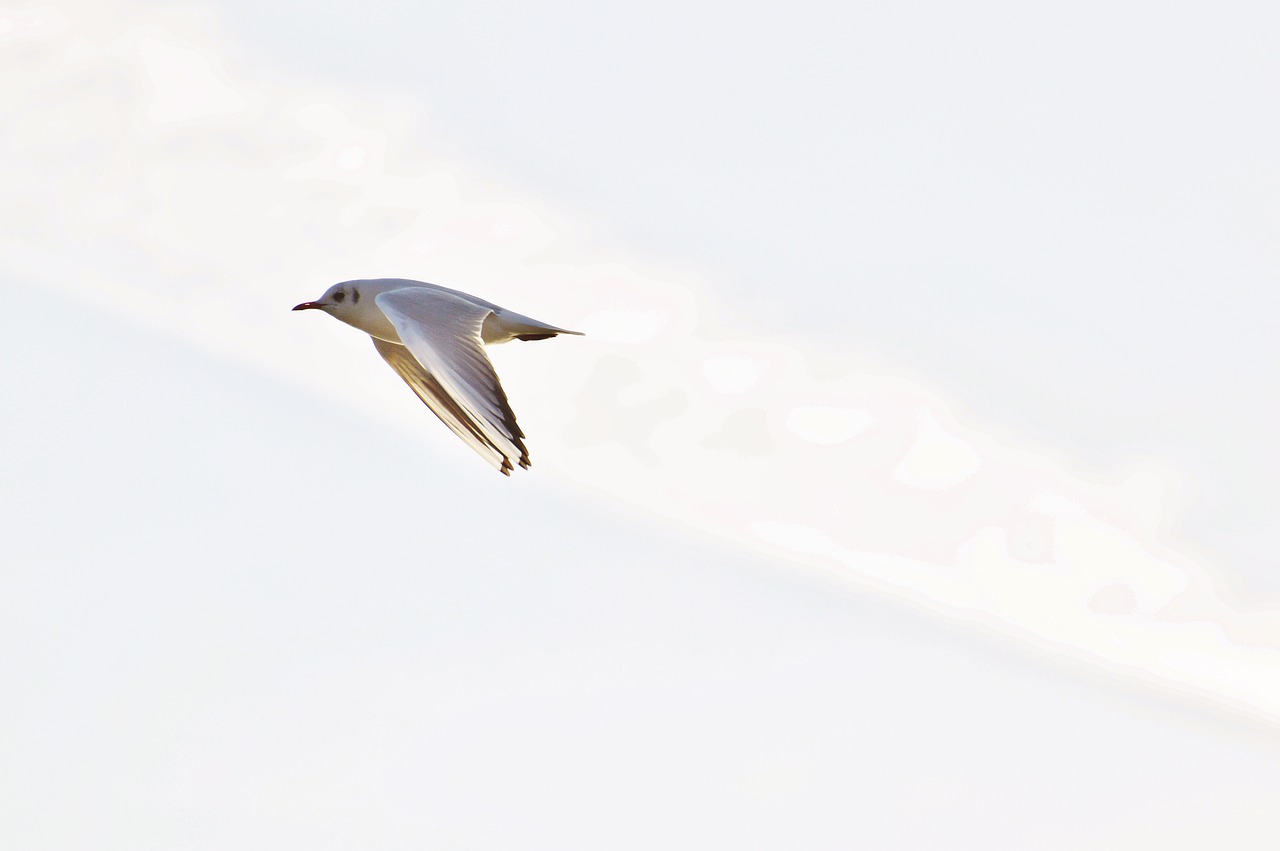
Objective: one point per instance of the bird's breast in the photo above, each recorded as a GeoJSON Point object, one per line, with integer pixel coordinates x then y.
{"type": "Point", "coordinates": [373, 322]}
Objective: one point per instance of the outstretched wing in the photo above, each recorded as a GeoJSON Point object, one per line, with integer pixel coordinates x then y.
{"type": "Point", "coordinates": [443, 360]}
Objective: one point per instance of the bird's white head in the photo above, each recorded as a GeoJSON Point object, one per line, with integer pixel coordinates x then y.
{"type": "Point", "coordinates": [353, 303]}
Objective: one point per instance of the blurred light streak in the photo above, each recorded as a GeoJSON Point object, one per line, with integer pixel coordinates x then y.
{"type": "Point", "coordinates": [147, 178]}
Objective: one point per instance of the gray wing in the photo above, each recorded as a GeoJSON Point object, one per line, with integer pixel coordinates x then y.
{"type": "Point", "coordinates": [444, 362]}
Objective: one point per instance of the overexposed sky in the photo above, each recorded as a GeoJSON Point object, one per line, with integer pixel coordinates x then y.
{"type": "Point", "coordinates": [918, 451]}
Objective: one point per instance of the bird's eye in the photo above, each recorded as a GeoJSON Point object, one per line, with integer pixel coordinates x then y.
{"type": "Point", "coordinates": [355, 296]}
{"type": "Point", "coordinates": [339, 296]}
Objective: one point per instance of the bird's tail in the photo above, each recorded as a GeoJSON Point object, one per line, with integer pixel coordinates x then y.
{"type": "Point", "coordinates": [512, 326]}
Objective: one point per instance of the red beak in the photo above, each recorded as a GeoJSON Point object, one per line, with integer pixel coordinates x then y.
{"type": "Point", "coordinates": [308, 305]}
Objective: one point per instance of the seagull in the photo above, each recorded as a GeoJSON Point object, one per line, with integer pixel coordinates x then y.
{"type": "Point", "coordinates": [434, 338]}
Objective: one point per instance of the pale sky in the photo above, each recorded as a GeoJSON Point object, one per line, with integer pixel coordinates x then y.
{"type": "Point", "coordinates": [917, 460]}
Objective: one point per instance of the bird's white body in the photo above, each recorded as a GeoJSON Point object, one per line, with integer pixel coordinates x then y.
{"type": "Point", "coordinates": [434, 338]}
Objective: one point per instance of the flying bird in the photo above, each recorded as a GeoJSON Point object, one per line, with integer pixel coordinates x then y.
{"type": "Point", "coordinates": [434, 338]}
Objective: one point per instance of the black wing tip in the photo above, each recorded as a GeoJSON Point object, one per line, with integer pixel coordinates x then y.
{"type": "Point", "coordinates": [506, 467]}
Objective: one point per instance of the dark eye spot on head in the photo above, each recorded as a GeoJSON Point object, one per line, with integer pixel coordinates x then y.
{"type": "Point", "coordinates": [355, 296]}
{"type": "Point", "coordinates": [339, 296]}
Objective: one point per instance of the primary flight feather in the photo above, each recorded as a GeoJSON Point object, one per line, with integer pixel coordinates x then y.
{"type": "Point", "coordinates": [434, 338]}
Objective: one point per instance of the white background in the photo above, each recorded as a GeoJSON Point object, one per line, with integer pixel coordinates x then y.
{"type": "Point", "coordinates": [255, 596]}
